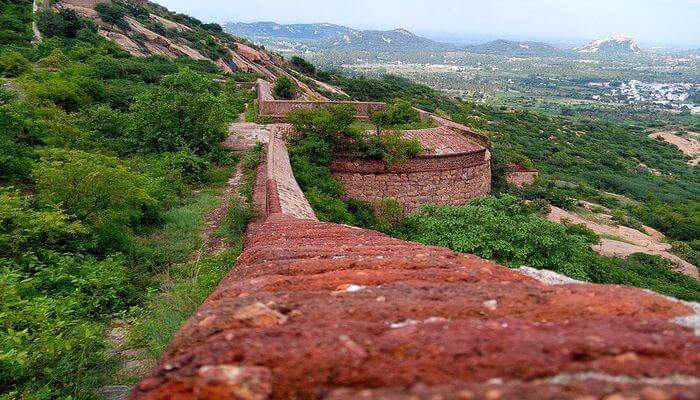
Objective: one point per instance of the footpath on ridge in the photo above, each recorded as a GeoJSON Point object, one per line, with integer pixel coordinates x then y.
{"type": "Point", "coordinates": [316, 310]}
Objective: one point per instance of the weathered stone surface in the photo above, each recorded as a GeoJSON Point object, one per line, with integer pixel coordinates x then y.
{"type": "Point", "coordinates": [422, 314]}
{"type": "Point", "coordinates": [233, 382]}
{"type": "Point", "coordinates": [315, 310]}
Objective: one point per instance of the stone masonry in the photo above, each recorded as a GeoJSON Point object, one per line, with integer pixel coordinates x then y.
{"type": "Point", "coordinates": [451, 171]}
{"type": "Point", "coordinates": [316, 310]}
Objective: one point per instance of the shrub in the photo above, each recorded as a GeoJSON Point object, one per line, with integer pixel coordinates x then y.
{"type": "Point", "coordinates": [13, 64]}
{"type": "Point", "coordinates": [393, 148]}
{"type": "Point", "coordinates": [99, 191]}
{"type": "Point", "coordinates": [54, 61]}
{"type": "Point", "coordinates": [503, 229]}
{"type": "Point", "coordinates": [285, 88]}
{"type": "Point", "coordinates": [108, 126]}
{"type": "Point", "coordinates": [303, 66]}
{"type": "Point", "coordinates": [51, 347]}
{"type": "Point", "coordinates": [112, 13]}
{"type": "Point", "coordinates": [398, 113]}
{"type": "Point", "coordinates": [181, 114]}
{"type": "Point", "coordinates": [64, 23]}
{"type": "Point", "coordinates": [24, 229]}
{"type": "Point", "coordinates": [193, 168]}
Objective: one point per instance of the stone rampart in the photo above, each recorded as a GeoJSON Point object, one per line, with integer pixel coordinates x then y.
{"type": "Point", "coordinates": [316, 310]}
{"type": "Point", "coordinates": [453, 179]}
{"type": "Point", "coordinates": [269, 107]}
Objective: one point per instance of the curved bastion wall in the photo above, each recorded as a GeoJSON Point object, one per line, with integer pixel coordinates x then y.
{"type": "Point", "coordinates": [452, 179]}
{"type": "Point", "coordinates": [454, 167]}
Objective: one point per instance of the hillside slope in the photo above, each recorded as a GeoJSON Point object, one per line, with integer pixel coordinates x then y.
{"type": "Point", "coordinates": [145, 29]}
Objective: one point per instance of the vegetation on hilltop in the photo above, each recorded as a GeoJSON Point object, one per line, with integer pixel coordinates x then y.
{"type": "Point", "coordinates": [330, 131]}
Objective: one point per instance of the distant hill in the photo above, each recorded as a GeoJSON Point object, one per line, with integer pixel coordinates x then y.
{"type": "Point", "coordinates": [395, 40]}
{"type": "Point", "coordinates": [294, 31]}
{"type": "Point", "coordinates": [611, 45]}
{"type": "Point", "coordinates": [335, 37]}
{"type": "Point", "coordinates": [517, 49]}
{"type": "Point", "coordinates": [303, 37]}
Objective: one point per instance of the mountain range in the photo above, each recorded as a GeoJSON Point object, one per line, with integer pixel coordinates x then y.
{"type": "Point", "coordinates": [323, 36]}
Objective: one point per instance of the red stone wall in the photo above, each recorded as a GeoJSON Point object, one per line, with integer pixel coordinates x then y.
{"type": "Point", "coordinates": [269, 107]}
{"type": "Point", "coordinates": [316, 310]}
{"type": "Point", "coordinates": [440, 180]}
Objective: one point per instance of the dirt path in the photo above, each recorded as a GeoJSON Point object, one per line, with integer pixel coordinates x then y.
{"type": "Point", "coordinates": [37, 35]}
{"type": "Point", "coordinates": [621, 241]}
{"type": "Point", "coordinates": [243, 137]}
{"type": "Point", "coordinates": [689, 146]}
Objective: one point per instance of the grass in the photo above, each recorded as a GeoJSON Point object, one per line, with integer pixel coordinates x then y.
{"type": "Point", "coordinates": [179, 236]}
{"type": "Point", "coordinates": [189, 285]}
{"type": "Point", "coordinates": [186, 283]}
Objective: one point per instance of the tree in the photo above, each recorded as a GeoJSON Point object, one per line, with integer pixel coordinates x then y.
{"type": "Point", "coordinates": [112, 14]}
{"type": "Point", "coordinates": [285, 88]}
{"type": "Point", "coordinates": [303, 66]}
{"type": "Point", "coordinates": [399, 112]}
{"type": "Point", "coordinates": [64, 23]}
{"type": "Point", "coordinates": [181, 114]}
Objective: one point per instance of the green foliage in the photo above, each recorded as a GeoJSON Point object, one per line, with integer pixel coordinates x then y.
{"type": "Point", "coordinates": [389, 88]}
{"type": "Point", "coordinates": [398, 113]}
{"type": "Point", "coordinates": [512, 233]}
{"type": "Point", "coordinates": [646, 271]}
{"type": "Point", "coordinates": [13, 64]}
{"type": "Point", "coordinates": [303, 66]}
{"type": "Point", "coordinates": [15, 22]}
{"type": "Point", "coordinates": [82, 231]}
{"type": "Point", "coordinates": [392, 147]}
{"type": "Point", "coordinates": [503, 229]}
{"type": "Point", "coordinates": [249, 166]}
{"type": "Point", "coordinates": [99, 191]}
{"type": "Point", "coordinates": [49, 345]}
{"type": "Point", "coordinates": [244, 76]}
{"type": "Point", "coordinates": [112, 13]}
{"type": "Point", "coordinates": [24, 228]}
{"type": "Point", "coordinates": [285, 88]}
{"type": "Point", "coordinates": [181, 114]}
{"type": "Point", "coordinates": [193, 168]}
{"type": "Point", "coordinates": [65, 23]}
{"type": "Point", "coordinates": [54, 61]}
{"type": "Point", "coordinates": [166, 312]}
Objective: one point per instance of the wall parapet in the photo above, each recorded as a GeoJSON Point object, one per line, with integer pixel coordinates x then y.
{"type": "Point", "coordinates": [421, 163]}
{"type": "Point", "coordinates": [269, 107]}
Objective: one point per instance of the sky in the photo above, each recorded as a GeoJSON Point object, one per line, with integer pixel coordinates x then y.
{"type": "Point", "coordinates": [652, 22]}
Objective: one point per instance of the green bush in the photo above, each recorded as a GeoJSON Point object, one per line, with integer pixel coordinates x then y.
{"type": "Point", "coordinates": [392, 147]}
{"type": "Point", "coordinates": [112, 13]}
{"type": "Point", "coordinates": [15, 22]}
{"type": "Point", "coordinates": [398, 113]}
{"type": "Point", "coordinates": [65, 23]}
{"type": "Point", "coordinates": [13, 64]}
{"type": "Point", "coordinates": [50, 346]}
{"type": "Point", "coordinates": [181, 114]}
{"type": "Point", "coordinates": [503, 229]}
{"type": "Point", "coordinates": [303, 66]}
{"type": "Point", "coordinates": [54, 61]}
{"type": "Point", "coordinates": [285, 88]}
{"type": "Point", "coordinates": [99, 191]}
{"type": "Point", "coordinates": [24, 228]}
{"type": "Point", "coordinates": [193, 168]}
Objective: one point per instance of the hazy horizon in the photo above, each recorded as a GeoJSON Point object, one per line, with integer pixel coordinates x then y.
{"type": "Point", "coordinates": [660, 22]}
